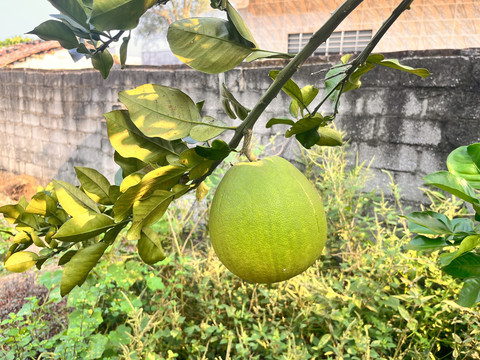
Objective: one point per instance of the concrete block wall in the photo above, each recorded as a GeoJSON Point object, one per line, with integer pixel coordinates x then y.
{"type": "Point", "coordinates": [51, 121]}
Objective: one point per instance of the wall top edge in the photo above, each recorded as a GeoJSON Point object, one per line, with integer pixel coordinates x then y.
{"type": "Point", "coordinates": [314, 60]}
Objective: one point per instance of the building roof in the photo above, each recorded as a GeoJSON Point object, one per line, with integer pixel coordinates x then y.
{"type": "Point", "coordinates": [19, 52]}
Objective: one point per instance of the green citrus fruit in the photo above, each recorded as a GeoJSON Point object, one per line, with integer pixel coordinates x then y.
{"type": "Point", "coordinates": [267, 222]}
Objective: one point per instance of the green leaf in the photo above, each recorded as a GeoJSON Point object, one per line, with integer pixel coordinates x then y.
{"type": "Point", "coordinates": [74, 201]}
{"type": "Point", "coordinates": [454, 185]}
{"type": "Point", "coordinates": [84, 227]}
{"type": "Point", "coordinates": [211, 129]}
{"type": "Point", "coordinates": [161, 111]}
{"type": "Point", "coordinates": [290, 88]}
{"type": "Point", "coordinates": [308, 138]}
{"type": "Point", "coordinates": [218, 151]}
{"type": "Point", "coordinates": [118, 14]}
{"type": "Point", "coordinates": [41, 204]}
{"type": "Point", "coordinates": [423, 243]}
{"type": "Point", "coordinates": [429, 222]}
{"type": "Point", "coordinates": [123, 51]}
{"type": "Point", "coordinates": [474, 152]}
{"type": "Point", "coordinates": [470, 293]}
{"type": "Point", "coordinates": [394, 64]}
{"type": "Point", "coordinates": [21, 261]}
{"type": "Point", "coordinates": [148, 211]}
{"type": "Point", "coordinates": [15, 214]}
{"type": "Point", "coordinates": [66, 257]}
{"type": "Point", "coordinates": [77, 269]}
{"type": "Point", "coordinates": [73, 9]}
{"type": "Point", "coordinates": [266, 54]}
{"type": "Point", "coordinates": [94, 184]}
{"type": "Point", "coordinates": [461, 163]}
{"type": "Point", "coordinates": [467, 244]}
{"type": "Point", "coordinates": [103, 62]}
{"type": "Point", "coordinates": [130, 142]}
{"type": "Point", "coordinates": [56, 30]}
{"type": "Point", "coordinates": [210, 45]}
{"type": "Point", "coordinates": [333, 78]}
{"type": "Point", "coordinates": [278, 121]}
{"type": "Point", "coordinates": [329, 137]}
{"type": "Point", "coordinates": [150, 247]}
{"type": "Point", "coordinates": [465, 266]}
{"type": "Point", "coordinates": [228, 99]}
{"type": "Point", "coordinates": [163, 178]}
{"type": "Point", "coordinates": [238, 23]}
{"type": "Point", "coordinates": [306, 124]}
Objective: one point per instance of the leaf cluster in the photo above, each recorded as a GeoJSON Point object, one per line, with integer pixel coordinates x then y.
{"type": "Point", "coordinates": [459, 238]}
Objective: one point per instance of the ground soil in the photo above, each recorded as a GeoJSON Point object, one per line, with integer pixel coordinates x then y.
{"type": "Point", "coordinates": [13, 187]}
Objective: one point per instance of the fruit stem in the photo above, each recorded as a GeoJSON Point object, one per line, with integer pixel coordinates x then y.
{"type": "Point", "coordinates": [247, 145]}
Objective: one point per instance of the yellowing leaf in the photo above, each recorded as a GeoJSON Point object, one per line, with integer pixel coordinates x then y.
{"type": "Point", "coordinates": [161, 111]}
{"type": "Point", "coordinates": [202, 191]}
{"type": "Point", "coordinates": [73, 200]}
{"type": "Point", "coordinates": [21, 261]}
{"type": "Point", "coordinates": [83, 227]}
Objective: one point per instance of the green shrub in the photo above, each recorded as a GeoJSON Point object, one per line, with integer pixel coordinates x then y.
{"type": "Point", "coordinates": [365, 298]}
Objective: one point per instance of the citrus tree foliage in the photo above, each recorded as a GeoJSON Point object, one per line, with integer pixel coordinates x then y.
{"type": "Point", "coordinates": [165, 145]}
{"type": "Point", "coordinates": [458, 239]}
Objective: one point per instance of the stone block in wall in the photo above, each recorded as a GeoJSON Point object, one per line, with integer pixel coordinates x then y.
{"type": "Point", "coordinates": [93, 141]}
{"type": "Point", "coordinates": [30, 119]}
{"type": "Point", "coordinates": [418, 132]}
{"type": "Point", "coordinates": [459, 132]}
{"type": "Point", "coordinates": [34, 170]}
{"type": "Point", "coordinates": [410, 185]}
{"type": "Point", "coordinates": [23, 130]}
{"type": "Point", "coordinates": [358, 128]}
{"type": "Point", "coordinates": [88, 126]}
{"type": "Point", "coordinates": [389, 156]}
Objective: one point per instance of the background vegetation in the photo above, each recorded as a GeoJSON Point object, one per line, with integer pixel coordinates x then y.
{"type": "Point", "coordinates": [365, 298]}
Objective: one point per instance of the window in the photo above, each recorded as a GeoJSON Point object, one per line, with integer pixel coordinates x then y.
{"type": "Point", "coordinates": [340, 42]}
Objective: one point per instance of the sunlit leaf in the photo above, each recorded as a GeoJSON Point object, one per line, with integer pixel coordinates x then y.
{"type": "Point", "coordinates": [21, 261]}
{"type": "Point", "coordinates": [118, 14]}
{"type": "Point", "coordinates": [161, 111]}
{"type": "Point", "coordinates": [163, 178]}
{"type": "Point", "coordinates": [467, 244]}
{"type": "Point", "coordinates": [329, 137]}
{"type": "Point", "coordinates": [150, 247]}
{"type": "Point", "coordinates": [81, 263]}
{"type": "Point", "coordinates": [95, 185]}
{"type": "Point", "coordinates": [202, 191]}
{"type": "Point", "coordinates": [461, 163]}
{"type": "Point", "coordinates": [41, 204]}
{"type": "Point", "coordinates": [210, 45]}
{"type": "Point", "coordinates": [454, 185]}
{"type": "Point", "coordinates": [73, 200]}
{"type": "Point", "coordinates": [130, 142]}
{"type": "Point", "coordinates": [148, 211]}
{"type": "Point", "coordinates": [83, 227]}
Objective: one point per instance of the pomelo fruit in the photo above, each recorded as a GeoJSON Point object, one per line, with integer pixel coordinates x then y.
{"type": "Point", "coordinates": [267, 222]}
